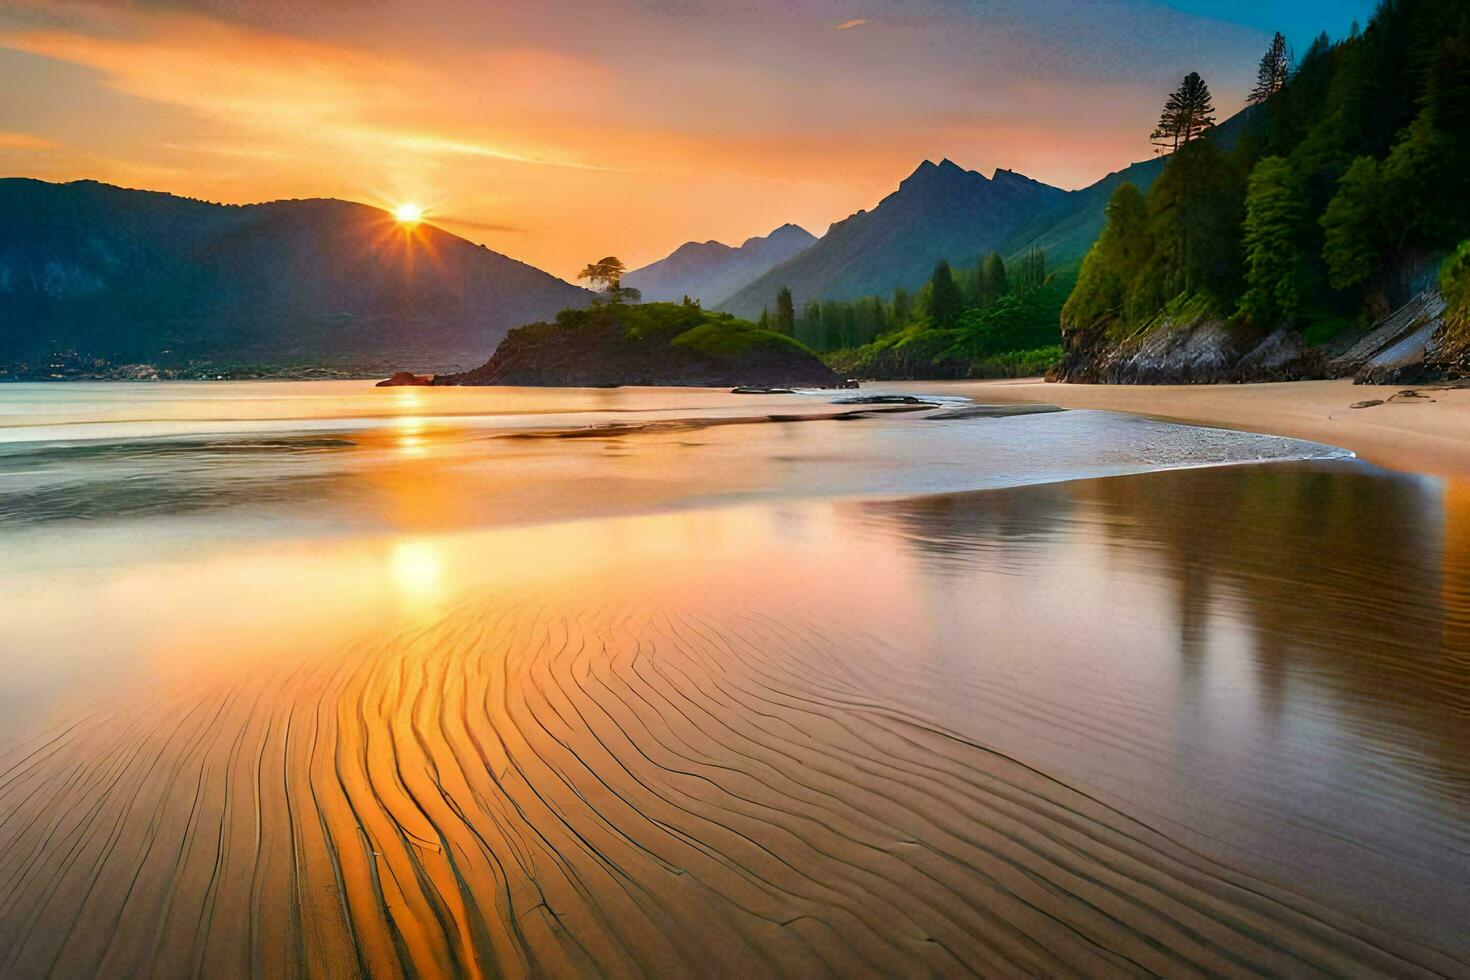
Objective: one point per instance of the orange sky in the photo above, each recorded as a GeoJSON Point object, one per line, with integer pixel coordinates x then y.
{"type": "Point", "coordinates": [559, 131]}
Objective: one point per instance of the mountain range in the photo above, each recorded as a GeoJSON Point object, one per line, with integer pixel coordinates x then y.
{"type": "Point", "coordinates": [120, 276]}
{"type": "Point", "coordinates": [712, 271]}
{"type": "Point", "coordinates": [940, 211]}
{"type": "Point", "coordinates": [112, 275]}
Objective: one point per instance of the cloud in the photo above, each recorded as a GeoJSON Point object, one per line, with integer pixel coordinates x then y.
{"type": "Point", "coordinates": [848, 25]}
{"type": "Point", "coordinates": [24, 141]}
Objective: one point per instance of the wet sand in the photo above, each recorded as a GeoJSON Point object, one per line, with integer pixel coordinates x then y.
{"type": "Point", "coordinates": [687, 702]}
{"type": "Point", "coordinates": [1416, 435]}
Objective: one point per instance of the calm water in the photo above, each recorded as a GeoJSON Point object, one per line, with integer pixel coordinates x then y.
{"type": "Point", "coordinates": [322, 676]}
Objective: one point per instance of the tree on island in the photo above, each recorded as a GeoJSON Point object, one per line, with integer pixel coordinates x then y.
{"type": "Point", "coordinates": [1274, 69]}
{"type": "Point", "coordinates": [1188, 114]}
{"type": "Point", "coordinates": [785, 313]}
{"type": "Point", "coordinates": [610, 271]}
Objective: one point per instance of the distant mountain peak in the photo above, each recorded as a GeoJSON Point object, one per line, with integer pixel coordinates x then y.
{"type": "Point", "coordinates": [940, 211]}
{"type": "Point", "coordinates": [711, 271]}
{"type": "Point", "coordinates": [941, 174]}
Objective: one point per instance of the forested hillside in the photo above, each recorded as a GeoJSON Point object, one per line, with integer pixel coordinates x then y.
{"type": "Point", "coordinates": [1337, 204]}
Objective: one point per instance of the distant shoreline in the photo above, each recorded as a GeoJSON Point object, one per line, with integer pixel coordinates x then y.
{"type": "Point", "coordinates": [1429, 435]}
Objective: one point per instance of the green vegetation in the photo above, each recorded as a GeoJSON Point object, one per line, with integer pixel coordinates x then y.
{"type": "Point", "coordinates": [1350, 181]}
{"type": "Point", "coordinates": [1275, 220]}
{"type": "Point", "coordinates": [620, 343]}
{"type": "Point", "coordinates": [686, 325]}
{"type": "Point", "coordinates": [1014, 334]}
{"type": "Point", "coordinates": [1454, 283]}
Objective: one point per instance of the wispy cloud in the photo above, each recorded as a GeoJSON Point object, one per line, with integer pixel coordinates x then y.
{"type": "Point", "coordinates": [24, 141]}
{"type": "Point", "coordinates": [848, 25]}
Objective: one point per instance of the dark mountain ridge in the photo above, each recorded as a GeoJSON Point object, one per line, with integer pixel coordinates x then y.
{"type": "Point", "coordinates": [712, 271]}
{"type": "Point", "coordinates": [940, 211]}
{"type": "Point", "coordinates": [121, 276]}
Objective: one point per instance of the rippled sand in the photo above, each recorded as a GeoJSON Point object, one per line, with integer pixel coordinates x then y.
{"type": "Point", "coordinates": [1201, 721]}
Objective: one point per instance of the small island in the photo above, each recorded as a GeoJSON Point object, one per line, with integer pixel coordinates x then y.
{"type": "Point", "coordinates": [657, 344]}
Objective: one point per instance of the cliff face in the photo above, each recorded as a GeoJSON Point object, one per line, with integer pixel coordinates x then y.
{"type": "Point", "coordinates": [659, 344]}
{"type": "Point", "coordinates": [1412, 344]}
{"type": "Point", "coordinates": [1198, 352]}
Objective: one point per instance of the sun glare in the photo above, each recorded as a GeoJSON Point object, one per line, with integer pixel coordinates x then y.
{"type": "Point", "coordinates": [408, 214]}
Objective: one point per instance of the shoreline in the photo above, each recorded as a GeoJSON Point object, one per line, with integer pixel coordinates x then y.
{"type": "Point", "coordinates": [1428, 436]}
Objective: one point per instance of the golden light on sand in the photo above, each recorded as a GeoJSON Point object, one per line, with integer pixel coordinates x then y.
{"type": "Point", "coordinates": [408, 214]}
{"type": "Point", "coordinates": [416, 569]}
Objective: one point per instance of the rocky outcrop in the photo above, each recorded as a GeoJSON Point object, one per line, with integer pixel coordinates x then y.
{"type": "Point", "coordinates": [1202, 352]}
{"type": "Point", "coordinates": [1448, 353]}
{"type": "Point", "coordinates": [1410, 345]}
{"type": "Point", "coordinates": [1393, 352]}
{"type": "Point", "coordinates": [405, 378]}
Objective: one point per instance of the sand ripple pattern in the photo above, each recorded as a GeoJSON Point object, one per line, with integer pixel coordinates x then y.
{"type": "Point", "coordinates": [522, 789]}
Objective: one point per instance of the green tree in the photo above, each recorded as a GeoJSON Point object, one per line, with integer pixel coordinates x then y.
{"type": "Point", "coordinates": [1109, 269]}
{"type": "Point", "coordinates": [809, 328]}
{"type": "Point", "coordinates": [1354, 226]}
{"type": "Point", "coordinates": [992, 280]}
{"type": "Point", "coordinates": [764, 322]}
{"type": "Point", "coordinates": [785, 313]}
{"type": "Point", "coordinates": [946, 302]}
{"type": "Point", "coordinates": [1030, 272]}
{"type": "Point", "coordinates": [1188, 114]}
{"type": "Point", "coordinates": [902, 308]}
{"type": "Point", "coordinates": [609, 271]}
{"type": "Point", "coordinates": [1275, 216]}
{"type": "Point", "coordinates": [1274, 69]}
{"type": "Point", "coordinates": [1427, 175]}
{"type": "Point", "coordinates": [1195, 213]}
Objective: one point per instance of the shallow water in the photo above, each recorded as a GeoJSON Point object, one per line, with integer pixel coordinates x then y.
{"type": "Point", "coordinates": [317, 676]}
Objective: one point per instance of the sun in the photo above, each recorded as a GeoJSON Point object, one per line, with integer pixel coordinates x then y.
{"type": "Point", "coordinates": [408, 214]}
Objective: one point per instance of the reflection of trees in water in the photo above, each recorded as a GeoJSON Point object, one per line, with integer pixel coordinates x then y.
{"type": "Point", "coordinates": [1346, 576]}
{"type": "Point", "coordinates": [1003, 529]}
{"type": "Point", "coordinates": [1351, 580]}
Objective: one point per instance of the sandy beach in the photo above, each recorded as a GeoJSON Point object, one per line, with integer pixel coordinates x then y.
{"type": "Point", "coordinates": [1430, 434]}
{"type": "Point", "coordinates": [317, 679]}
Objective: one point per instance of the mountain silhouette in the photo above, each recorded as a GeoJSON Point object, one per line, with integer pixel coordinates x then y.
{"type": "Point", "coordinates": [711, 271]}
{"type": "Point", "coordinates": [141, 276]}
{"type": "Point", "coordinates": [940, 211]}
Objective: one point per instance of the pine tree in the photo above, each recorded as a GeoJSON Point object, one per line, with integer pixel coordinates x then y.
{"type": "Point", "coordinates": [946, 302]}
{"type": "Point", "coordinates": [1272, 74]}
{"type": "Point", "coordinates": [1188, 114]}
{"type": "Point", "coordinates": [809, 328]}
{"type": "Point", "coordinates": [785, 313]}
{"type": "Point", "coordinates": [764, 322]}
{"type": "Point", "coordinates": [992, 279]}
{"type": "Point", "coordinates": [902, 307]}
{"type": "Point", "coordinates": [1275, 216]}
{"type": "Point", "coordinates": [1031, 272]}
